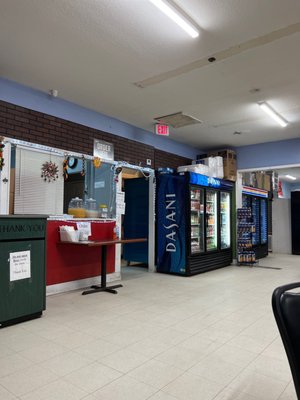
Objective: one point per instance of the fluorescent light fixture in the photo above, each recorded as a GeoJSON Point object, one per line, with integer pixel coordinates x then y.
{"type": "Point", "coordinates": [175, 15]}
{"type": "Point", "coordinates": [293, 178]}
{"type": "Point", "coordinates": [273, 114]}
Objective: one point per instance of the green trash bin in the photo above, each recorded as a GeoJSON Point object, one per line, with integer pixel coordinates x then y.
{"type": "Point", "coordinates": [22, 267]}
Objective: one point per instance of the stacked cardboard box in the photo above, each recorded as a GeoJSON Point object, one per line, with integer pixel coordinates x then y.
{"type": "Point", "coordinates": [259, 180]}
{"type": "Point", "coordinates": [229, 162]}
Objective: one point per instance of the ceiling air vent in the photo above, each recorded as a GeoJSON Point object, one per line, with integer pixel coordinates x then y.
{"type": "Point", "coordinates": [178, 120]}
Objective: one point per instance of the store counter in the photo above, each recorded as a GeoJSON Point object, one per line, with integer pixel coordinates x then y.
{"type": "Point", "coordinates": [72, 263]}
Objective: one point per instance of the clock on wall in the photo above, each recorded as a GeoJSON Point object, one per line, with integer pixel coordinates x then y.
{"type": "Point", "coordinates": [72, 162]}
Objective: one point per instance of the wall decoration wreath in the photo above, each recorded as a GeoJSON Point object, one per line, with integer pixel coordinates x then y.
{"type": "Point", "coordinates": [97, 162]}
{"type": "Point", "coordinates": [49, 171]}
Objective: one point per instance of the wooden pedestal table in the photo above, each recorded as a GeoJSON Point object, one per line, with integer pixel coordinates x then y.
{"type": "Point", "coordinates": [104, 244]}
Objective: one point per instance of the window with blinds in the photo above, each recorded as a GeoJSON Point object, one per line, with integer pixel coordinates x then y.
{"type": "Point", "coordinates": [33, 195]}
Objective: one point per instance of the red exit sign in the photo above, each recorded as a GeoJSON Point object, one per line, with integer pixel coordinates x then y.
{"type": "Point", "coordinates": [162, 130]}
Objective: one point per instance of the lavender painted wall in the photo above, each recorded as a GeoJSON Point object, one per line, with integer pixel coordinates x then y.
{"type": "Point", "coordinates": [24, 96]}
{"type": "Point", "coordinates": [283, 152]}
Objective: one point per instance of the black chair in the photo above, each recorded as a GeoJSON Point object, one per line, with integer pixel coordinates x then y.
{"type": "Point", "coordinates": [286, 309]}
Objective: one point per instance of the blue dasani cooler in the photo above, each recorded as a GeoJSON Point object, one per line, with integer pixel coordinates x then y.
{"type": "Point", "coordinates": [171, 220]}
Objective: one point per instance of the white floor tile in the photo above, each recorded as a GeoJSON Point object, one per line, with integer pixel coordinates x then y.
{"type": "Point", "coordinates": [5, 351]}
{"type": "Point", "coordinates": [180, 356]}
{"type": "Point", "coordinates": [216, 370]}
{"type": "Point", "coordinates": [6, 395]}
{"type": "Point", "coordinates": [125, 388]}
{"type": "Point", "coordinates": [72, 340]}
{"type": "Point", "coordinates": [232, 394]}
{"type": "Point", "coordinates": [97, 349]}
{"type": "Point", "coordinates": [43, 351]}
{"type": "Point", "coordinates": [272, 367]}
{"type": "Point", "coordinates": [66, 363]}
{"type": "Point", "coordinates": [191, 387]}
{"type": "Point", "coordinates": [257, 385]}
{"type": "Point", "coordinates": [24, 381]}
{"type": "Point", "coordinates": [174, 338]}
{"type": "Point", "coordinates": [289, 393]}
{"type": "Point", "coordinates": [250, 343]}
{"type": "Point", "coordinates": [162, 396]}
{"type": "Point", "coordinates": [92, 377]}
{"type": "Point", "coordinates": [57, 390]}
{"type": "Point", "coordinates": [124, 360]}
{"type": "Point", "coordinates": [156, 373]}
{"type": "Point", "coordinates": [235, 355]}
{"type": "Point", "coordinates": [20, 339]}
{"type": "Point", "coordinates": [149, 347]}
{"type": "Point", "coordinates": [12, 364]}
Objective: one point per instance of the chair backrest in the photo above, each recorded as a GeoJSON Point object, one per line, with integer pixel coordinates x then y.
{"type": "Point", "coordinates": [286, 309]}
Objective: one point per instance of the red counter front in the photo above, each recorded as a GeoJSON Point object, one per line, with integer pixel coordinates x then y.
{"type": "Point", "coordinates": [69, 263]}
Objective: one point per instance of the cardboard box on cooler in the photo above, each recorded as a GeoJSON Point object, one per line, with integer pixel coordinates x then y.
{"type": "Point", "coordinates": [198, 168]}
{"type": "Point", "coordinates": [215, 166]}
{"type": "Point", "coordinates": [229, 162]}
{"type": "Point", "coordinates": [267, 182]}
{"type": "Point", "coordinates": [259, 178]}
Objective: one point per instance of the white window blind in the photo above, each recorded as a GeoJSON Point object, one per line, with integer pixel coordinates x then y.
{"type": "Point", "coordinates": [33, 195]}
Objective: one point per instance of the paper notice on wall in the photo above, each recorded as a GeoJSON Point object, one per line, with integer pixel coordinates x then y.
{"type": "Point", "coordinates": [19, 265]}
{"type": "Point", "coordinates": [121, 208]}
{"type": "Point", "coordinates": [120, 198]}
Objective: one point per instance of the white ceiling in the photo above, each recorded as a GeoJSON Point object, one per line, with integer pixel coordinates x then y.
{"type": "Point", "coordinates": [97, 52]}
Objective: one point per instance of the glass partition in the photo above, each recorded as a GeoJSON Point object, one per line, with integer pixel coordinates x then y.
{"type": "Point", "coordinates": [100, 185]}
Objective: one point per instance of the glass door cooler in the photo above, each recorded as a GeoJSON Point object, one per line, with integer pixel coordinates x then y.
{"type": "Point", "coordinates": [197, 220]}
{"type": "Point", "coordinates": [257, 201]}
{"type": "Point", "coordinates": [225, 212]}
{"type": "Point", "coordinates": [193, 223]}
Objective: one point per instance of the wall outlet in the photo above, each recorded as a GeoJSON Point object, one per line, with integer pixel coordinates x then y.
{"type": "Point", "coordinates": [148, 161]}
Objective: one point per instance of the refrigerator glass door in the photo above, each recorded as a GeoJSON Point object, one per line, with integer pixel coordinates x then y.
{"type": "Point", "coordinates": [255, 216]}
{"type": "Point", "coordinates": [225, 220]}
{"type": "Point", "coordinates": [263, 221]}
{"type": "Point", "coordinates": [197, 220]}
{"type": "Point", "coordinates": [211, 220]}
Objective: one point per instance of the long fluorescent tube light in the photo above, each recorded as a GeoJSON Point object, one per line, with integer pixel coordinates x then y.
{"type": "Point", "coordinates": [293, 178]}
{"type": "Point", "coordinates": [273, 114]}
{"type": "Point", "coordinates": [172, 13]}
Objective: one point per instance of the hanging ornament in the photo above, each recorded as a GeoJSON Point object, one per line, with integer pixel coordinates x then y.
{"type": "Point", "coordinates": [97, 162]}
{"type": "Point", "coordinates": [65, 168]}
{"type": "Point", "coordinates": [49, 171]}
{"type": "Point", "coordinates": [2, 145]}
{"type": "Point", "coordinates": [83, 166]}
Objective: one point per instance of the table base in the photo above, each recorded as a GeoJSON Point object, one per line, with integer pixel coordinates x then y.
{"type": "Point", "coordinates": [96, 288]}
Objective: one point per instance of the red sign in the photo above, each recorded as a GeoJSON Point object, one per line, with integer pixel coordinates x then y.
{"type": "Point", "coordinates": [161, 129]}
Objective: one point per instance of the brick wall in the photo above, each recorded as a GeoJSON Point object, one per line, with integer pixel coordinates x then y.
{"type": "Point", "coordinates": [32, 126]}
{"type": "Point", "coordinates": [164, 159]}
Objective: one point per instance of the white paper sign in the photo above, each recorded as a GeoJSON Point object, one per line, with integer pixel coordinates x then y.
{"type": "Point", "coordinates": [121, 208]}
{"type": "Point", "coordinates": [99, 185]}
{"type": "Point", "coordinates": [84, 227]}
{"type": "Point", "coordinates": [19, 265]}
{"type": "Point", "coordinates": [120, 198]}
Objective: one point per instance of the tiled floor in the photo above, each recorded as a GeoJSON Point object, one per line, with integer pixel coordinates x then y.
{"type": "Point", "coordinates": [162, 337]}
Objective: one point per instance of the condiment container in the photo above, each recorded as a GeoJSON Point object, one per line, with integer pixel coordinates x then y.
{"type": "Point", "coordinates": [91, 210]}
{"type": "Point", "coordinates": [76, 208]}
{"type": "Point", "coordinates": [103, 211]}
